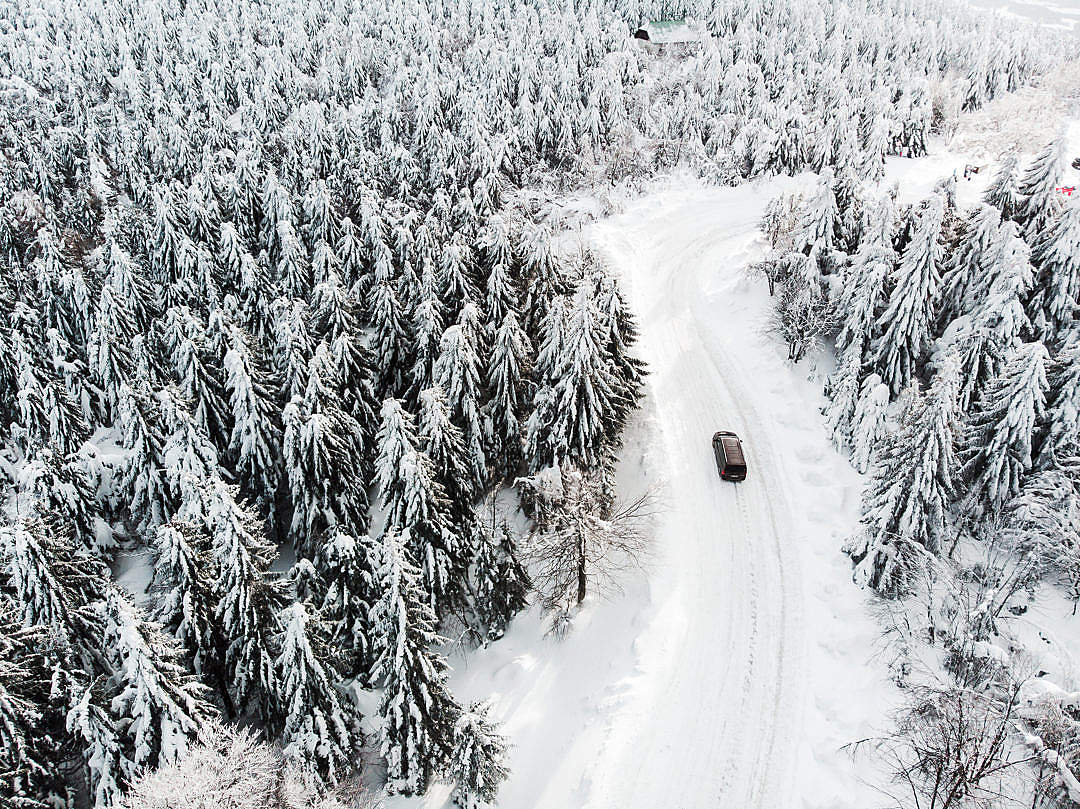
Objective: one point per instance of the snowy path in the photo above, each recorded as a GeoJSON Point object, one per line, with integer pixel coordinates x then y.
{"type": "Point", "coordinates": [715, 715]}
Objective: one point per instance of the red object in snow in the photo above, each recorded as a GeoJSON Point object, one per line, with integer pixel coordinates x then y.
{"type": "Point", "coordinates": [1066, 189]}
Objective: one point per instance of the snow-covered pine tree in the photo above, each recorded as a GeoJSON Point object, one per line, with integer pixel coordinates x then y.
{"type": "Point", "coordinates": [476, 763]}
{"type": "Point", "coordinates": [30, 741]}
{"type": "Point", "coordinates": [391, 338]}
{"type": "Point", "coordinates": [444, 444]}
{"type": "Point", "coordinates": [997, 440]}
{"type": "Point", "coordinates": [905, 323]}
{"type": "Point", "coordinates": [1055, 304]}
{"type": "Point", "coordinates": [428, 327]}
{"type": "Point", "coordinates": [619, 333]}
{"type": "Point", "coordinates": [544, 277]}
{"type": "Point", "coordinates": [293, 346]}
{"type": "Point", "coordinates": [508, 371]}
{"type": "Point", "coordinates": [843, 391]}
{"type": "Point", "coordinates": [501, 583]}
{"type": "Point", "coordinates": [414, 501]}
{"type": "Point", "coordinates": [819, 222]}
{"type": "Point", "coordinates": [256, 434]}
{"type": "Point", "coordinates": [319, 725]}
{"type": "Point", "coordinates": [1003, 192]}
{"type": "Point", "coordinates": [503, 292]}
{"type": "Point", "coordinates": [101, 749]}
{"type": "Point", "coordinates": [249, 599]}
{"type": "Point", "coordinates": [348, 564]}
{"type": "Point", "coordinates": [108, 349]}
{"type": "Point", "coordinates": [1040, 200]}
{"type": "Point", "coordinates": [868, 421]}
{"type": "Point", "coordinates": [184, 583]}
{"type": "Point", "coordinates": [417, 711]}
{"type": "Point", "coordinates": [457, 372]}
{"type": "Point", "coordinates": [963, 284]}
{"type": "Point", "coordinates": [159, 706]}
{"type": "Point", "coordinates": [200, 375]}
{"type": "Point", "coordinates": [587, 391]}
{"type": "Point", "coordinates": [905, 505]}
{"type": "Point", "coordinates": [141, 480]}
{"type": "Point", "coordinates": [1060, 434]}
{"type": "Point", "coordinates": [862, 298]}
{"type": "Point", "coordinates": [62, 489]}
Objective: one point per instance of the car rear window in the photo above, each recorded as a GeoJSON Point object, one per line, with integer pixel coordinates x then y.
{"type": "Point", "coordinates": [733, 451]}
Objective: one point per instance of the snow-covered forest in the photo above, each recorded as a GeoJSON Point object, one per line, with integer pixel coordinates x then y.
{"type": "Point", "coordinates": [290, 308]}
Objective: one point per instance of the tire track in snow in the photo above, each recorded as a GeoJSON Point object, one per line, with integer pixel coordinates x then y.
{"type": "Point", "coordinates": [714, 716]}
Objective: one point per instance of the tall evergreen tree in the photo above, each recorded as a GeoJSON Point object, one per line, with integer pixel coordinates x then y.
{"type": "Point", "coordinates": [1055, 304]}
{"type": "Point", "coordinates": [161, 708]}
{"type": "Point", "coordinates": [907, 500]}
{"type": "Point", "coordinates": [319, 729]}
{"type": "Point", "coordinates": [418, 713]}
{"type": "Point", "coordinates": [905, 323]}
{"type": "Point", "coordinates": [997, 440]}
{"type": "Point", "coordinates": [256, 433]}
{"type": "Point", "coordinates": [1003, 192]}
{"type": "Point", "coordinates": [349, 564]}
{"type": "Point", "coordinates": [1060, 434]}
{"type": "Point", "coordinates": [1040, 200]}
{"type": "Point", "coordinates": [476, 762]}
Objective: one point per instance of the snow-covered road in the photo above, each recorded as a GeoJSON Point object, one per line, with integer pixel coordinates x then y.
{"type": "Point", "coordinates": [716, 710]}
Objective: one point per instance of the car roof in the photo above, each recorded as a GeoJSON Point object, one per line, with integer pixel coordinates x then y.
{"type": "Point", "coordinates": [733, 449]}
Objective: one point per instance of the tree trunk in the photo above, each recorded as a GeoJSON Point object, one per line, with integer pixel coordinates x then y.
{"type": "Point", "coordinates": [581, 567]}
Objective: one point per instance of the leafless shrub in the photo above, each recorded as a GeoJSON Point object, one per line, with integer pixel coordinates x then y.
{"type": "Point", "coordinates": [951, 748]}
{"type": "Point", "coordinates": [800, 317]}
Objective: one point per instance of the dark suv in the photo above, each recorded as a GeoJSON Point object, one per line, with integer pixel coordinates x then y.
{"type": "Point", "coordinates": [729, 456]}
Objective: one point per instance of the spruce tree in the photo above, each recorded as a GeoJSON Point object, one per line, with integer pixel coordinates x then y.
{"type": "Point", "coordinates": [962, 282]}
{"type": "Point", "coordinates": [587, 392]}
{"type": "Point", "coordinates": [160, 707]}
{"type": "Point", "coordinates": [1055, 305]}
{"type": "Point", "coordinates": [501, 584]}
{"type": "Point", "coordinates": [457, 371]}
{"type": "Point", "coordinates": [418, 713]}
{"type": "Point", "coordinates": [1003, 192]}
{"type": "Point", "coordinates": [868, 421]}
{"type": "Point", "coordinates": [908, 498]}
{"type": "Point", "coordinates": [185, 586]}
{"type": "Point", "coordinates": [476, 762]}
{"type": "Point", "coordinates": [248, 597]}
{"type": "Point", "coordinates": [819, 222]}
{"type": "Point", "coordinates": [256, 433]}
{"type": "Point", "coordinates": [1040, 200]}
{"type": "Point", "coordinates": [507, 376]}
{"type": "Point", "coordinates": [997, 440]}
{"type": "Point", "coordinates": [1060, 434]}
{"type": "Point", "coordinates": [348, 564]}
{"type": "Point", "coordinates": [415, 501]}
{"type": "Point", "coordinates": [319, 724]}
{"type": "Point", "coordinates": [905, 323]}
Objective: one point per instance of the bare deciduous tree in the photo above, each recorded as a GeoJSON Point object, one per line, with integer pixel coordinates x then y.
{"type": "Point", "coordinates": [581, 544]}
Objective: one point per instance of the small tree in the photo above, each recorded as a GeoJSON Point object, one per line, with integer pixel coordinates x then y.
{"type": "Point", "coordinates": [1040, 200]}
{"type": "Point", "coordinates": [476, 762]}
{"type": "Point", "coordinates": [579, 543]}
{"type": "Point", "coordinates": [800, 316]}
